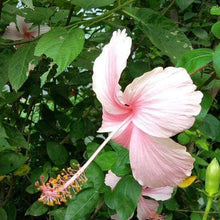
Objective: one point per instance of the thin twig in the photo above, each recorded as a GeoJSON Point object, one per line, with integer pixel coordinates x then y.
{"type": "Point", "coordinates": [19, 42]}
{"type": "Point", "coordinates": [101, 17]}
{"type": "Point", "coordinates": [97, 210]}
{"type": "Point", "coordinates": [1, 6]}
{"type": "Point", "coordinates": [65, 139]}
{"type": "Point", "coordinates": [70, 15]}
{"type": "Point", "coordinates": [10, 192]}
{"type": "Point", "coordinates": [212, 77]}
{"type": "Point", "coordinates": [168, 8]}
{"type": "Point", "coordinates": [197, 70]}
{"type": "Point", "coordinates": [182, 210]}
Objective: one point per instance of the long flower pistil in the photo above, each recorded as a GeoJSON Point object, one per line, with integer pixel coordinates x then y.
{"type": "Point", "coordinates": [58, 190]}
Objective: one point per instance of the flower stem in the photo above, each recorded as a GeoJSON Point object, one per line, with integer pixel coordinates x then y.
{"type": "Point", "coordinates": [101, 17]}
{"type": "Point", "coordinates": [89, 161]}
{"type": "Point", "coordinates": [208, 207]}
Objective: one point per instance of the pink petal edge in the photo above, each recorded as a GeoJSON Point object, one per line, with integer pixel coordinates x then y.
{"type": "Point", "coordinates": [111, 179]}
{"type": "Point", "coordinates": [164, 101]}
{"type": "Point", "coordinates": [107, 71]}
{"type": "Point", "coordinates": [12, 33]}
{"type": "Point", "coordinates": [158, 162]}
{"type": "Point", "coordinates": [161, 193]}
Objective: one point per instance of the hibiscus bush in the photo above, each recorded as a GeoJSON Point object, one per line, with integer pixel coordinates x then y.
{"type": "Point", "coordinates": [137, 80]}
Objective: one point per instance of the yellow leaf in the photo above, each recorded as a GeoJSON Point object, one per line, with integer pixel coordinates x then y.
{"type": "Point", "coordinates": [22, 171]}
{"type": "Point", "coordinates": [1, 178]}
{"type": "Point", "coordinates": [188, 181]}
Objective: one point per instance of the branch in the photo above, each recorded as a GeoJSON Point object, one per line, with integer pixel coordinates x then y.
{"type": "Point", "coordinates": [100, 17]}
{"type": "Point", "coordinates": [65, 139]}
{"type": "Point", "coordinates": [10, 192]}
{"type": "Point", "coordinates": [168, 8]}
{"type": "Point", "coordinates": [212, 77]}
{"type": "Point", "coordinates": [70, 15]}
{"type": "Point", "coordinates": [1, 6]}
{"type": "Point", "coordinates": [19, 42]}
{"type": "Point", "coordinates": [97, 210]}
{"type": "Point", "coordinates": [197, 70]}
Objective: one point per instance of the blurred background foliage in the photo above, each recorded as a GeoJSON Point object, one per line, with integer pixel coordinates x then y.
{"type": "Point", "coordinates": [49, 115]}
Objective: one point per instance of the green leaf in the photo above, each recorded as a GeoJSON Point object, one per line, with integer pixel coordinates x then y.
{"type": "Point", "coordinates": [196, 216]}
{"type": "Point", "coordinates": [11, 211]}
{"type": "Point", "coordinates": [162, 32]}
{"type": "Point", "coordinates": [58, 214]}
{"type": "Point", "coordinates": [95, 175]}
{"type": "Point", "coordinates": [216, 58]}
{"type": "Point", "coordinates": [215, 10]}
{"type": "Point", "coordinates": [211, 127]}
{"type": "Point", "coordinates": [121, 166]}
{"type": "Point", "coordinates": [109, 198]}
{"type": "Point", "coordinates": [195, 59]}
{"type": "Point", "coordinates": [36, 209]}
{"type": "Point", "coordinates": [61, 45]}
{"type": "Point", "coordinates": [39, 15]}
{"type": "Point", "coordinates": [91, 148]}
{"type": "Point", "coordinates": [171, 204]}
{"type": "Point", "coordinates": [28, 3]}
{"type": "Point", "coordinates": [10, 161]}
{"type": "Point", "coordinates": [83, 204]}
{"type": "Point", "coordinates": [20, 65]}
{"type": "Point", "coordinates": [85, 60]}
{"type": "Point", "coordinates": [2, 131]}
{"type": "Point", "coordinates": [126, 196]}
{"type": "Point", "coordinates": [183, 138]}
{"type": "Point", "coordinates": [77, 130]}
{"type": "Point", "coordinates": [206, 104]}
{"type": "Point", "coordinates": [183, 4]}
{"type": "Point", "coordinates": [31, 189]}
{"type": "Point", "coordinates": [15, 137]}
{"type": "Point", "coordinates": [202, 143]}
{"type": "Point", "coordinates": [199, 160]}
{"type": "Point", "coordinates": [57, 153]}
{"type": "Point", "coordinates": [3, 214]}
{"type": "Point", "coordinates": [92, 3]}
{"type": "Point", "coordinates": [216, 29]}
{"type": "Point", "coordinates": [106, 160]}
{"type": "Point", "coordinates": [3, 78]}
{"type": "Point", "coordinates": [200, 33]}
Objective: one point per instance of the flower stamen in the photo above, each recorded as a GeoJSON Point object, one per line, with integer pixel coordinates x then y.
{"type": "Point", "coordinates": [58, 190]}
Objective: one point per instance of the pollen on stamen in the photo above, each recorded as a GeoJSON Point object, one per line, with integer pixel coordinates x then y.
{"type": "Point", "coordinates": [55, 191]}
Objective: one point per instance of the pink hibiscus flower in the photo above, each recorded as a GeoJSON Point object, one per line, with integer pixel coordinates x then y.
{"type": "Point", "coordinates": [24, 31]}
{"type": "Point", "coordinates": [155, 106]}
{"type": "Point", "coordinates": [146, 208]}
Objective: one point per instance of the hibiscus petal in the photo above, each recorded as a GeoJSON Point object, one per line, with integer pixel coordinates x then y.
{"type": "Point", "coordinates": [123, 136]}
{"type": "Point", "coordinates": [22, 25]}
{"type": "Point", "coordinates": [111, 122]}
{"type": "Point", "coordinates": [107, 70]}
{"type": "Point", "coordinates": [146, 209]}
{"type": "Point", "coordinates": [111, 179]}
{"type": "Point", "coordinates": [158, 162]}
{"type": "Point", "coordinates": [11, 33]}
{"type": "Point", "coordinates": [161, 193]}
{"type": "Point", "coordinates": [164, 102]}
{"type": "Point", "coordinates": [43, 29]}
{"type": "Point", "coordinates": [115, 217]}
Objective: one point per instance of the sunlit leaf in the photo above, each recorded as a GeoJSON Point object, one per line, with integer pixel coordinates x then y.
{"type": "Point", "coordinates": [61, 45]}
{"type": "Point", "coordinates": [188, 181]}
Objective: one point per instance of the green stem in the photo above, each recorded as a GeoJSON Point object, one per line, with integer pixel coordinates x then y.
{"type": "Point", "coordinates": [168, 8]}
{"type": "Point", "coordinates": [208, 207]}
{"type": "Point", "coordinates": [100, 17]}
